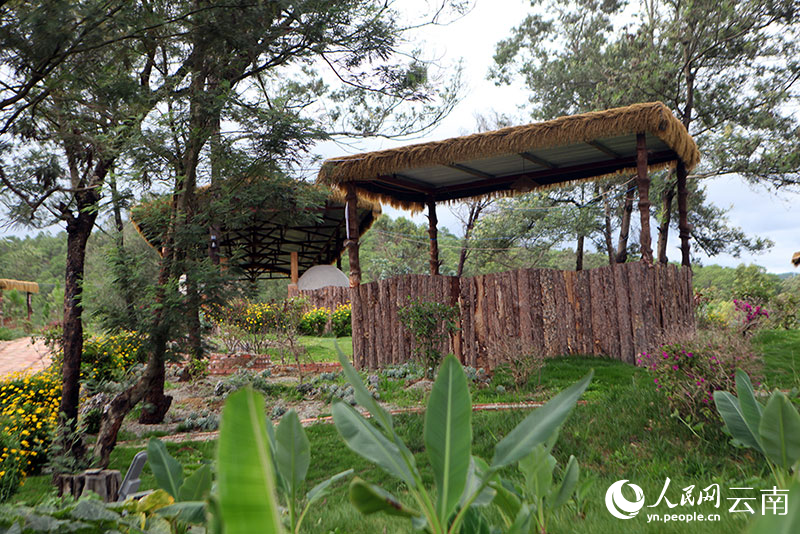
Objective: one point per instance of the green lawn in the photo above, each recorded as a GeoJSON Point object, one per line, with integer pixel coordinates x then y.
{"type": "Point", "coordinates": [624, 431]}
{"type": "Point", "coordinates": [781, 349]}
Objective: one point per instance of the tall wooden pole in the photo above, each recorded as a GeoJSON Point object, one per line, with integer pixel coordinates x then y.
{"type": "Point", "coordinates": [643, 183]}
{"type": "Point", "coordinates": [433, 232]}
{"type": "Point", "coordinates": [683, 214]}
{"type": "Point", "coordinates": [29, 305]}
{"type": "Point", "coordinates": [352, 234]}
{"type": "Point", "coordinates": [295, 270]}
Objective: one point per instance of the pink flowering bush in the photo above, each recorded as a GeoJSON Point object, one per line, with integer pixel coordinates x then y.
{"type": "Point", "coordinates": [690, 371]}
{"type": "Point", "coordinates": [752, 316]}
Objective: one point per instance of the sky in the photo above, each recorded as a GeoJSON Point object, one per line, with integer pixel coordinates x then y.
{"type": "Point", "coordinates": [472, 39]}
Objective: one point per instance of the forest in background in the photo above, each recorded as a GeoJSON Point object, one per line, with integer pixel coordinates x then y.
{"type": "Point", "coordinates": [392, 247]}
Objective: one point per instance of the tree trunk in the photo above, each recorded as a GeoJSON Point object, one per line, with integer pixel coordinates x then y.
{"type": "Point", "coordinates": [643, 185]}
{"type": "Point", "coordinates": [625, 226]}
{"type": "Point", "coordinates": [433, 234]}
{"type": "Point", "coordinates": [683, 215]}
{"type": "Point", "coordinates": [475, 209]}
{"type": "Point", "coordinates": [607, 226]}
{"type": "Point", "coordinates": [579, 253]}
{"type": "Point", "coordinates": [79, 228]}
{"type": "Point", "coordinates": [124, 402]}
{"type": "Point", "coordinates": [663, 226]}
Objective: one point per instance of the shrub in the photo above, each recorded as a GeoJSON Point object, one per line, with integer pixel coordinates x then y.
{"type": "Point", "coordinates": [520, 362]}
{"type": "Point", "coordinates": [341, 324]}
{"type": "Point", "coordinates": [107, 357]}
{"type": "Point", "coordinates": [28, 413]}
{"type": "Point", "coordinates": [12, 464]}
{"type": "Point", "coordinates": [110, 357]}
{"type": "Point", "coordinates": [785, 311]}
{"type": "Point", "coordinates": [430, 323]}
{"type": "Point", "coordinates": [314, 321]}
{"type": "Point", "coordinates": [751, 316]}
{"type": "Point", "coordinates": [715, 314]}
{"type": "Point", "coordinates": [689, 372]}
{"type": "Point", "coordinates": [256, 326]}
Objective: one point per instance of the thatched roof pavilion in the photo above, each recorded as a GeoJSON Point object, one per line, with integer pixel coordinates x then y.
{"type": "Point", "coordinates": [25, 287]}
{"type": "Point", "coordinates": [263, 244]}
{"type": "Point", "coordinates": [588, 146]}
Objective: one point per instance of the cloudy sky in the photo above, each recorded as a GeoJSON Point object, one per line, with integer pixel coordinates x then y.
{"type": "Point", "coordinates": [473, 38]}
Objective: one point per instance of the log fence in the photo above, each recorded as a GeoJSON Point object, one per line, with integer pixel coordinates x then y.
{"type": "Point", "coordinates": [616, 311]}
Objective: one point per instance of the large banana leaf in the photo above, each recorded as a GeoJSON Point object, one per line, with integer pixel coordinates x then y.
{"type": "Point", "coordinates": [448, 435]}
{"type": "Point", "coordinates": [197, 486]}
{"type": "Point", "coordinates": [293, 452]}
{"type": "Point", "coordinates": [780, 431]}
{"type": "Point", "coordinates": [369, 499]}
{"type": "Point", "coordinates": [731, 413]}
{"type": "Point", "coordinates": [750, 408]}
{"type": "Point", "coordinates": [539, 425]}
{"type": "Point", "coordinates": [362, 394]}
{"type": "Point", "coordinates": [245, 479]}
{"type": "Point", "coordinates": [166, 469]}
{"type": "Point", "coordinates": [367, 441]}
{"type": "Point", "coordinates": [568, 484]}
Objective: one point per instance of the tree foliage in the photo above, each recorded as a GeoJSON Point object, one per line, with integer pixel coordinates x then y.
{"type": "Point", "coordinates": [729, 71]}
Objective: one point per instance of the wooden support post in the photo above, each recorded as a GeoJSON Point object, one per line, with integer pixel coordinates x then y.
{"type": "Point", "coordinates": [352, 234]}
{"type": "Point", "coordinates": [28, 303]}
{"type": "Point", "coordinates": [433, 233]}
{"type": "Point", "coordinates": [295, 269]}
{"type": "Point", "coordinates": [643, 183]}
{"type": "Point", "coordinates": [1, 308]}
{"type": "Point", "coordinates": [683, 214]}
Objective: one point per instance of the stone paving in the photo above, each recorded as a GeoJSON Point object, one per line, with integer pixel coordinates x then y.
{"type": "Point", "coordinates": [22, 355]}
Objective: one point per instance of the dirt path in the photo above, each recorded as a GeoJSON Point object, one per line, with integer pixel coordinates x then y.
{"type": "Point", "coordinates": [22, 355]}
{"type": "Point", "coordinates": [209, 436]}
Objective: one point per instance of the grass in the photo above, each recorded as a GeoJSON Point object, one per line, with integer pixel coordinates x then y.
{"type": "Point", "coordinates": [323, 349]}
{"type": "Point", "coordinates": [781, 349]}
{"type": "Point", "coordinates": [10, 334]}
{"type": "Point", "coordinates": [624, 431]}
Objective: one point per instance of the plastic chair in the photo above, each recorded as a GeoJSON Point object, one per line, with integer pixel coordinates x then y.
{"type": "Point", "coordinates": [131, 481]}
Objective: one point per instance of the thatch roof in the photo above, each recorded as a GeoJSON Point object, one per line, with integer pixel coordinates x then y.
{"type": "Point", "coordinates": [19, 285]}
{"type": "Point", "coordinates": [577, 147]}
{"type": "Point", "coordinates": [262, 243]}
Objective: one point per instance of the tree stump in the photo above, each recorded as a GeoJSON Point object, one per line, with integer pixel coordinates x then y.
{"type": "Point", "coordinates": [104, 482]}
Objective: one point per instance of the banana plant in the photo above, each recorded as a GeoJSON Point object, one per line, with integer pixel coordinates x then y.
{"type": "Point", "coordinates": [462, 481]}
{"type": "Point", "coordinates": [291, 458]}
{"type": "Point", "coordinates": [177, 502]}
{"type": "Point", "coordinates": [539, 496]}
{"type": "Point", "coordinates": [773, 430]}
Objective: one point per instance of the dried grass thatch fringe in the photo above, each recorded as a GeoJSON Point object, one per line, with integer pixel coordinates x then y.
{"type": "Point", "coordinates": [26, 287]}
{"type": "Point", "coordinates": [653, 117]}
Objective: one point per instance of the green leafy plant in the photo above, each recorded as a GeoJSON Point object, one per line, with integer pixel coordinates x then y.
{"type": "Point", "coordinates": [178, 501]}
{"type": "Point", "coordinates": [463, 481]}
{"type": "Point", "coordinates": [245, 469]}
{"type": "Point", "coordinates": [314, 321]}
{"type": "Point", "coordinates": [539, 492]}
{"type": "Point", "coordinates": [292, 456]}
{"type": "Point", "coordinates": [431, 323]}
{"type": "Point", "coordinates": [773, 430]}
{"type": "Point", "coordinates": [341, 324]}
